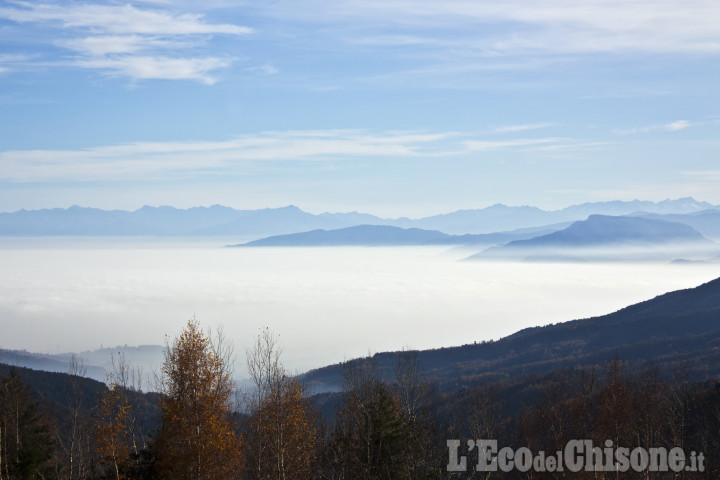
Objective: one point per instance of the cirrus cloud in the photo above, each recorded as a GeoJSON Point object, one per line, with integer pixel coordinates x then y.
{"type": "Point", "coordinates": [159, 159]}
{"type": "Point", "coordinates": [124, 40]}
{"type": "Point", "coordinates": [658, 26]}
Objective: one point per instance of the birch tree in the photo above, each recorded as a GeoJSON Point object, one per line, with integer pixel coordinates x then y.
{"type": "Point", "coordinates": [197, 438]}
{"type": "Point", "coordinates": [283, 435]}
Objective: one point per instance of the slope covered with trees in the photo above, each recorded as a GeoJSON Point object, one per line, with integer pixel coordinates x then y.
{"type": "Point", "coordinates": [641, 377]}
{"type": "Point", "coordinates": [674, 327]}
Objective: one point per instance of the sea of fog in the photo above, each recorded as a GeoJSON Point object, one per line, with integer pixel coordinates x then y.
{"type": "Point", "coordinates": [327, 304]}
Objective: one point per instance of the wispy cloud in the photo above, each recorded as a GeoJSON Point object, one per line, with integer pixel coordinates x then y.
{"type": "Point", "coordinates": [148, 159]}
{"type": "Point", "coordinates": [266, 69]}
{"type": "Point", "coordinates": [146, 68]}
{"type": "Point", "coordinates": [675, 126]}
{"type": "Point", "coordinates": [708, 175]}
{"type": "Point", "coordinates": [548, 144]}
{"type": "Point", "coordinates": [658, 26]}
{"type": "Point", "coordinates": [117, 19]}
{"type": "Point", "coordinates": [485, 145]}
{"type": "Point", "coordinates": [9, 62]}
{"type": "Point", "coordinates": [521, 128]}
{"type": "Point", "coordinates": [128, 41]}
{"type": "Point", "coordinates": [102, 45]}
{"type": "Point", "coordinates": [679, 125]}
{"type": "Point", "coordinates": [247, 153]}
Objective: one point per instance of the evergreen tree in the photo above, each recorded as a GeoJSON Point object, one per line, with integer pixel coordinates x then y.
{"type": "Point", "coordinates": [26, 446]}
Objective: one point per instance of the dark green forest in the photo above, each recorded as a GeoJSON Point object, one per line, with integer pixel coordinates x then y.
{"type": "Point", "coordinates": [644, 376]}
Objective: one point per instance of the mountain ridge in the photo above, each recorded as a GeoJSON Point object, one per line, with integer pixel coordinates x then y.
{"type": "Point", "coordinates": [386, 235]}
{"type": "Point", "coordinates": [221, 220]}
{"type": "Point", "coordinates": [607, 237]}
{"type": "Point", "coordinates": [673, 326]}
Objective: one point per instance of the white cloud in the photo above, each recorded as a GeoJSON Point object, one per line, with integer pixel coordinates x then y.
{"type": "Point", "coordinates": [128, 41]}
{"type": "Point", "coordinates": [102, 45]}
{"type": "Point", "coordinates": [675, 126]}
{"type": "Point", "coordinates": [709, 175]}
{"type": "Point", "coordinates": [140, 160]}
{"type": "Point", "coordinates": [679, 125]}
{"type": "Point", "coordinates": [158, 68]}
{"type": "Point", "coordinates": [658, 26]}
{"type": "Point", "coordinates": [242, 154]}
{"type": "Point", "coordinates": [7, 60]}
{"type": "Point", "coordinates": [118, 19]}
{"type": "Point", "coordinates": [521, 128]}
{"type": "Point", "coordinates": [485, 145]}
{"type": "Point", "coordinates": [394, 40]}
{"type": "Point", "coordinates": [266, 69]}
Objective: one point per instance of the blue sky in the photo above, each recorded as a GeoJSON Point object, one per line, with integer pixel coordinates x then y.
{"type": "Point", "coordinates": [393, 107]}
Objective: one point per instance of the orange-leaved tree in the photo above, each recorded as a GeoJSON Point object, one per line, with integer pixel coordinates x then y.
{"type": "Point", "coordinates": [111, 430]}
{"type": "Point", "coordinates": [197, 438]}
{"type": "Point", "coordinates": [116, 424]}
{"type": "Point", "coordinates": [283, 436]}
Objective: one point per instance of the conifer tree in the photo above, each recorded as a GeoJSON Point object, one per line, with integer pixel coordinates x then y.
{"type": "Point", "coordinates": [26, 446]}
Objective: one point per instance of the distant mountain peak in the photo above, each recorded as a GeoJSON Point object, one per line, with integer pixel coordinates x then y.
{"type": "Point", "coordinates": [606, 237]}
{"type": "Point", "coordinates": [359, 235]}
{"type": "Point", "coordinates": [287, 208]}
{"type": "Point", "coordinates": [219, 220]}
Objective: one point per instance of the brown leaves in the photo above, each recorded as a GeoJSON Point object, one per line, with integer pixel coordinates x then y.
{"type": "Point", "coordinates": [197, 440]}
{"type": "Point", "coordinates": [283, 436]}
{"type": "Point", "coordinates": [112, 430]}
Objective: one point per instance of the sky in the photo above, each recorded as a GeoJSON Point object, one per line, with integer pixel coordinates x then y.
{"type": "Point", "coordinates": [392, 107]}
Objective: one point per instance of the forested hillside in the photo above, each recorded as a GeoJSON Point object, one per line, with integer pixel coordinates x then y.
{"type": "Point", "coordinates": [642, 377]}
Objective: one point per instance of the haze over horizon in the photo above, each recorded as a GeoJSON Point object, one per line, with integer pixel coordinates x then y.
{"type": "Point", "coordinates": [665, 201]}
{"type": "Point", "coordinates": [327, 304]}
{"type": "Point", "coordinates": [397, 109]}
{"type": "Point", "coordinates": [401, 108]}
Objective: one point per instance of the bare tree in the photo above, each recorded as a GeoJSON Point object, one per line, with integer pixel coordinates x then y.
{"type": "Point", "coordinates": [117, 432]}
{"type": "Point", "coordinates": [76, 443]}
{"type": "Point", "coordinates": [283, 434]}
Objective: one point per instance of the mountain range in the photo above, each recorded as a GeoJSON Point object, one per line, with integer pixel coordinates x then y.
{"type": "Point", "coordinates": [599, 238]}
{"type": "Point", "coordinates": [671, 329]}
{"type": "Point", "coordinates": [384, 235]}
{"type": "Point", "coordinates": [96, 363]}
{"type": "Point", "coordinates": [225, 221]}
{"type": "Point", "coordinates": [603, 237]}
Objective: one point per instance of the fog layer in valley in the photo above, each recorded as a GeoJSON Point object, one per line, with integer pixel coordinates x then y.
{"type": "Point", "coordinates": [327, 304]}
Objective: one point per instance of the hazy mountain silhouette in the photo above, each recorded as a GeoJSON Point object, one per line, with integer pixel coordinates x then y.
{"type": "Point", "coordinates": [98, 363]}
{"type": "Point", "coordinates": [147, 220]}
{"type": "Point", "coordinates": [224, 221]}
{"type": "Point", "coordinates": [502, 218]}
{"type": "Point", "coordinates": [707, 222]}
{"type": "Point", "coordinates": [603, 236]}
{"type": "Point", "coordinates": [383, 235]}
{"type": "Point", "coordinates": [604, 230]}
{"type": "Point", "coordinates": [369, 235]}
{"type": "Point", "coordinates": [288, 219]}
{"type": "Point", "coordinates": [676, 327]}
{"type": "Point", "coordinates": [669, 330]}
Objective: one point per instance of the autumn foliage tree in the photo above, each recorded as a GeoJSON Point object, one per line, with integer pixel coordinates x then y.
{"type": "Point", "coordinates": [117, 439]}
{"type": "Point", "coordinates": [111, 430]}
{"type": "Point", "coordinates": [282, 438]}
{"type": "Point", "coordinates": [197, 439]}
